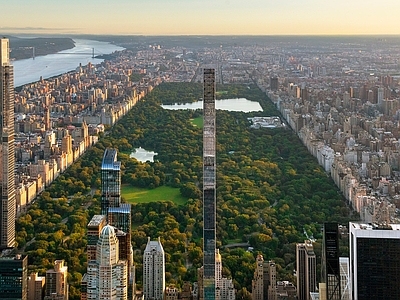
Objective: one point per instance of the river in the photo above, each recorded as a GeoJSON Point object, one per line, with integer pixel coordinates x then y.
{"type": "Point", "coordinates": [30, 70]}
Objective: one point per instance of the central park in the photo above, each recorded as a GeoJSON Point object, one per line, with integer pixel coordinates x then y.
{"type": "Point", "coordinates": [271, 193]}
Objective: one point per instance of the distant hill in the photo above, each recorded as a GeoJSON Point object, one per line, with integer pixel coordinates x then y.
{"type": "Point", "coordinates": [22, 48]}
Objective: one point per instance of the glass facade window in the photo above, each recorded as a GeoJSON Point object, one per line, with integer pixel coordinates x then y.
{"type": "Point", "coordinates": [378, 268]}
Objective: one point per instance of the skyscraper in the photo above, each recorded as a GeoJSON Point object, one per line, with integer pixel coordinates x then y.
{"type": "Point", "coordinates": [330, 268]}
{"type": "Point", "coordinates": [306, 270]}
{"type": "Point", "coordinates": [209, 184]}
{"type": "Point", "coordinates": [107, 276]}
{"type": "Point", "coordinates": [7, 165]}
{"type": "Point", "coordinates": [224, 289]}
{"type": "Point", "coordinates": [117, 214]}
{"type": "Point", "coordinates": [120, 217]}
{"type": "Point", "coordinates": [14, 278]}
{"type": "Point", "coordinates": [375, 261]}
{"type": "Point", "coordinates": [153, 271]}
{"type": "Point", "coordinates": [94, 229]}
{"type": "Point", "coordinates": [258, 282]}
{"type": "Point", "coordinates": [56, 287]}
{"type": "Point", "coordinates": [264, 282]}
{"type": "Point", "coordinates": [345, 284]}
{"type": "Point", "coordinates": [110, 181]}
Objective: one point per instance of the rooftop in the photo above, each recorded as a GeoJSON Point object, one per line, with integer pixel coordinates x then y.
{"type": "Point", "coordinates": [124, 208]}
{"type": "Point", "coordinates": [110, 160]}
{"type": "Point", "coordinates": [154, 245]}
{"type": "Point", "coordinates": [96, 220]}
{"type": "Point", "coordinates": [374, 226]}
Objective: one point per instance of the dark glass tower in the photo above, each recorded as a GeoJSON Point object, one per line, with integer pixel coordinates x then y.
{"type": "Point", "coordinates": [209, 195]}
{"type": "Point", "coordinates": [7, 160]}
{"type": "Point", "coordinates": [330, 261]}
{"type": "Point", "coordinates": [375, 261]}
{"type": "Point", "coordinates": [120, 217]}
{"type": "Point", "coordinates": [14, 278]}
{"type": "Point", "coordinates": [110, 181]}
{"type": "Point", "coordinates": [118, 214]}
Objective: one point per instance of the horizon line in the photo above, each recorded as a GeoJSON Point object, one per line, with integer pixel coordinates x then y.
{"type": "Point", "coordinates": [206, 35]}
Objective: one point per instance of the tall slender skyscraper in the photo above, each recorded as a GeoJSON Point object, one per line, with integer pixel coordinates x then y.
{"type": "Point", "coordinates": [330, 268]}
{"type": "Point", "coordinates": [209, 194]}
{"type": "Point", "coordinates": [7, 186]}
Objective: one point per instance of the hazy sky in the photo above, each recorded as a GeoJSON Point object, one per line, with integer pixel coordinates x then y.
{"type": "Point", "coordinates": [166, 17]}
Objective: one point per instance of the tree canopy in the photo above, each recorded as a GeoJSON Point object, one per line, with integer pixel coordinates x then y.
{"type": "Point", "coordinates": [270, 191]}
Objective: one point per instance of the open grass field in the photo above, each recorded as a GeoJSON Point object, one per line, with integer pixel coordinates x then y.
{"type": "Point", "coordinates": [221, 93]}
{"type": "Point", "coordinates": [163, 193]}
{"type": "Point", "coordinates": [197, 122]}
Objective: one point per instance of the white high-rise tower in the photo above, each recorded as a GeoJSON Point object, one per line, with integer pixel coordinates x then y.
{"type": "Point", "coordinates": [153, 271]}
{"type": "Point", "coordinates": [107, 275]}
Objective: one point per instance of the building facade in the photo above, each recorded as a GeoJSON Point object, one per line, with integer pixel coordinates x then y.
{"type": "Point", "coordinates": [36, 286]}
{"type": "Point", "coordinates": [120, 217]}
{"type": "Point", "coordinates": [345, 284]}
{"type": "Point", "coordinates": [153, 271]}
{"type": "Point", "coordinates": [330, 268]}
{"type": "Point", "coordinates": [14, 277]}
{"type": "Point", "coordinates": [306, 270]}
{"type": "Point", "coordinates": [94, 229]}
{"type": "Point", "coordinates": [110, 181]}
{"type": "Point", "coordinates": [117, 214]}
{"type": "Point", "coordinates": [264, 282]}
{"type": "Point", "coordinates": [107, 276]}
{"type": "Point", "coordinates": [374, 261]}
{"type": "Point", "coordinates": [56, 287]}
{"type": "Point", "coordinates": [224, 288]}
{"type": "Point", "coordinates": [7, 155]}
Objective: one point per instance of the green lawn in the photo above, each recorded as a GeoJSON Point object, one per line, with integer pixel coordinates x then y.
{"type": "Point", "coordinates": [197, 122]}
{"type": "Point", "coordinates": [163, 193]}
{"type": "Point", "coordinates": [221, 93]}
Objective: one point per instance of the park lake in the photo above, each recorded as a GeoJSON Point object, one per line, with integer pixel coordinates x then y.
{"type": "Point", "coordinates": [238, 104]}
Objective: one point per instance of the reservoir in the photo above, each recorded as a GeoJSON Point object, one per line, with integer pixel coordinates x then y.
{"type": "Point", "coordinates": [143, 155]}
{"type": "Point", "coordinates": [30, 70]}
{"type": "Point", "coordinates": [238, 104]}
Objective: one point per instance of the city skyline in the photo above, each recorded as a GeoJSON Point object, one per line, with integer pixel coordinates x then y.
{"type": "Point", "coordinates": [340, 101]}
{"type": "Point", "coordinates": [225, 17]}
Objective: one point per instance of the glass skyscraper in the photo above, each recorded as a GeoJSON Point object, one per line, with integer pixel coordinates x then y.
{"type": "Point", "coordinates": [117, 214]}
{"type": "Point", "coordinates": [110, 181]}
{"type": "Point", "coordinates": [209, 191]}
{"type": "Point", "coordinates": [375, 261]}
{"type": "Point", "coordinates": [7, 155]}
{"type": "Point", "coordinates": [14, 277]}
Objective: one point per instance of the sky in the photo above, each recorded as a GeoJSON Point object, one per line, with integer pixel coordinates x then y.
{"type": "Point", "coordinates": [201, 17]}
